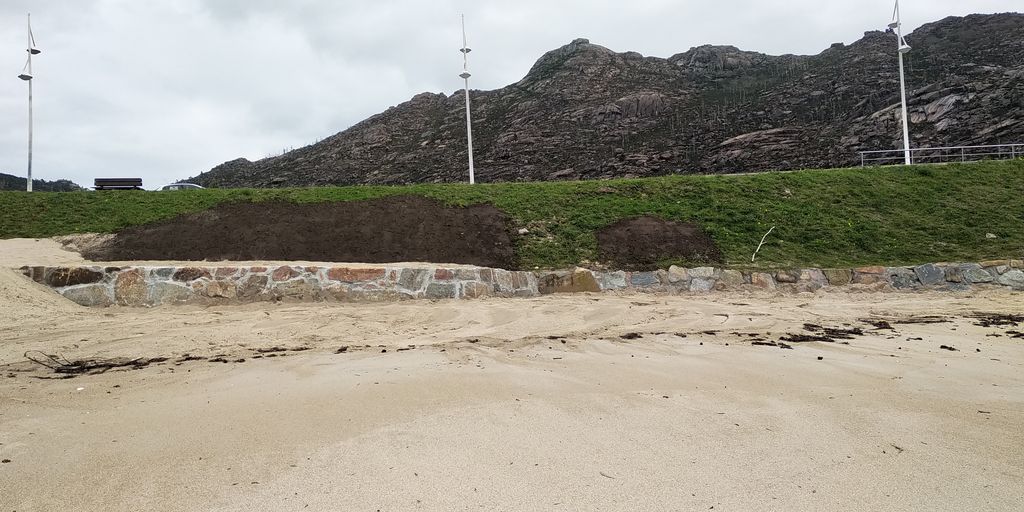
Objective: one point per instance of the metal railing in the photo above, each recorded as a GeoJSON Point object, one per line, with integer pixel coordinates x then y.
{"type": "Point", "coordinates": [943, 155]}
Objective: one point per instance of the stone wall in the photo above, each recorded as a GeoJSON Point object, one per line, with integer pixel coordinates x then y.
{"type": "Point", "coordinates": [154, 286]}
{"type": "Point", "coordinates": [939, 276]}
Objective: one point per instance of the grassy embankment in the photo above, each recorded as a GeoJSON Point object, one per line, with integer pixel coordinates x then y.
{"type": "Point", "coordinates": [828, 218]}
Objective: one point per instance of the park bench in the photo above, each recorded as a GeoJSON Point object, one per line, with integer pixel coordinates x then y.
{"type": "Point", "coordinates": [117, 184]}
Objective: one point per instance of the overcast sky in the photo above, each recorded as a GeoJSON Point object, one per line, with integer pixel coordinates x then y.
{"type": "Point", "coordinates": [165, 89]}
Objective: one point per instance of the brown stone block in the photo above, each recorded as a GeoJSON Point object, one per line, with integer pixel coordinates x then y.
{"type": "Point", "coordinates": [995, 263]}
{"type": "Point", "coordinates": [355, 275]}
{"type": "Point", "coordinates": [130, 288]}
{"type": "Point", "coordinates": [37, 274]}
{"type": "Point", "coordinates": [838, 276]}
{"type": "Point", "coordinates": [282, 274]}
{"type": "Point", "coordinates": [252, 287]}
{"type": "Point", "coordinates": [577, 281]}
{"type": "Point", "coordinates": [787, 276]}
{"type": "Point", "coordinates": [467, 274]}
{"type": "Point", "coordinates": [475, 290]}
{"type": "Point", "coordinates": [72, 276]}
{"type": "Point", "coordinates": [222, 289]}
{"type": "Point", "coordinates": [870, 270]}
{"type": "Point", "coordinates": [187, 274]}
{"type": "Point", "coordinates": [762, 280]}
{"type": "Point", "coordinates": [444, 274]}
{"type": "Point", "coordinates": [225, 271]}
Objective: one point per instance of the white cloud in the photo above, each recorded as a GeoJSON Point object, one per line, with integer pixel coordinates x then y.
{"type": "Point", "coordinates": [166, 89]}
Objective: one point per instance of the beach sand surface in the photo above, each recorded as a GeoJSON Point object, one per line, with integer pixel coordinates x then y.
{"type": "Point", "coordinates": [578, 402]}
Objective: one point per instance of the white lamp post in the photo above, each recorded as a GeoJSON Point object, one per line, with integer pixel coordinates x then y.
{"type": "Point", "coordinates": [902, 48]}
{"type": "Point", "coordinates": [469, 120]}
{"type": "Point", "coordinates": [26, 75]}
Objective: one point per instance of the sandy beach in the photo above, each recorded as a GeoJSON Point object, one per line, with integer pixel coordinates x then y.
{"type": "Point", "coordinates": [577, 402]}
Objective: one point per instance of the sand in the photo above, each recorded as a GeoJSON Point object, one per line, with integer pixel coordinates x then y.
{"type": "Point", "coordinates": [486, 412]}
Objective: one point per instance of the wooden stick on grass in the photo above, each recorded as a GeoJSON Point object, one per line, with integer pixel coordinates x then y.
{"type": "Point", "coordinates": [765, 237]}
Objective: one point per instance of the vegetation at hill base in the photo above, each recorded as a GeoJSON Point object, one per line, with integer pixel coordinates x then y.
{"type": "Point", "coordinates": [11, 182]}
{"type": "Point", "coordinates": [823, 218]}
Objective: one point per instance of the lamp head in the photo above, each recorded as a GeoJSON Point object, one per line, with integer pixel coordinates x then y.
{"type": "Point", "coordinates": [25, 76]}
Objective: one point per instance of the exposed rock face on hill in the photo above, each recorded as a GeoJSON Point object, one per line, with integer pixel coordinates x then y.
{"type": "Point", "coordinates": [584, 111]}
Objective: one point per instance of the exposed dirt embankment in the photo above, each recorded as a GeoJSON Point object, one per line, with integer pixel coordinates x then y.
{"type": "Point", "coordinates": [394, 229]}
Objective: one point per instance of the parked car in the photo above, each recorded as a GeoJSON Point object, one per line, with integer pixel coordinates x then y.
{"type": "Point", "coordinates": [182, 186]}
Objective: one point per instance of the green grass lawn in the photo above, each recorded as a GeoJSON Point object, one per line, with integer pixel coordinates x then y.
{"type": "Point", "coordinates": [825, 218]}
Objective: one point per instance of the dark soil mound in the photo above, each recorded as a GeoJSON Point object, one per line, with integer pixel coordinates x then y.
{"type": "Point", "coordinates": [386, 230]}
{"type": "Point", "coordinates": [640, 243]}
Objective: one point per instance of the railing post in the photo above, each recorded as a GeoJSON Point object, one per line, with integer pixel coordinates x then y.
{"type": "Point", "coordinates": [862, 159]}
{"type": "Point", "coordinates": [963, 157]}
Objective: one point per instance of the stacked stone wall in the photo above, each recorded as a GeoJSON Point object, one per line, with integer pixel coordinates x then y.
{"type": "Point", "coordinates": [156, 286]}
{"type": "Point", "coordinates": [937, 276]}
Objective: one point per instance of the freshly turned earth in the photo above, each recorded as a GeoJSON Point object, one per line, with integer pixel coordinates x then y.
{"type": "Point", "coordinates": [585, 112]}
{"type": "Point", "coordinates": [641, 243]}
{"type": "Point", "coordinates": [387, 230]}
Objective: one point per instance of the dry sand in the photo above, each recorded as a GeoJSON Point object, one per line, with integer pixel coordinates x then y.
{"type": "Point", "coordinates": [488, 413]}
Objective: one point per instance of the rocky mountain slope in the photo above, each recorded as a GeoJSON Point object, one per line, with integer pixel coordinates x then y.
{"type": "Point", "coordinates": [584, 112]}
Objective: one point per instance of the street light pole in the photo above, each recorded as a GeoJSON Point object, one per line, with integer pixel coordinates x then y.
{"type": "Point", "coordinates": [902, 48]}
{"type": "Point", "coordinates": [469, 120]}
{"type": "Point", "coordinates": [26, 75]}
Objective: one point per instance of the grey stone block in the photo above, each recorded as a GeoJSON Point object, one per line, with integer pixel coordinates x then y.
{"type": "Point", "coordinates": [678, 275]}
{"type": "Point", "coordinates": [1013, 279]}
{"type": "Point", "coordinates": [644, 279]}
{"type": "Point", "coordinates": [611, 280]}
{"type": "Point", "coordinates": [94, 295]}
{"type": "Point", "coordinates": [441, 291]}
{"type": "Point", "coordinates": [700, 285]}
{"type": "Point", "coordinates": [902, 278]}
{"type": "Point", "coordinates": [413, 279]}
{"type": "Point", "coordinates": [930, 275]}
{"type": "Point", "coordinates": [702, 272]}
{"type": "Point", "coordinates": [974, 273]}
{"type": "Point", "coordinates": [170, 293]}
{"type": "Point", "coordinates": [732, 278]}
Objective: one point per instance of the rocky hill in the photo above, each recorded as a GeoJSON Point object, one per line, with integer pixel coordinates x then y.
{"type": "Point", "coordinates": [584, 112]}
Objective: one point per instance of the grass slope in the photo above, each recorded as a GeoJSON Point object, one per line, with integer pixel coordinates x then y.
{"type": "Point", "coordinates": [827, 218]}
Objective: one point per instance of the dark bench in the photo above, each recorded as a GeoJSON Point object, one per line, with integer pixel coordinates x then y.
{"type": "Point", "coordinates": [117, 184]}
